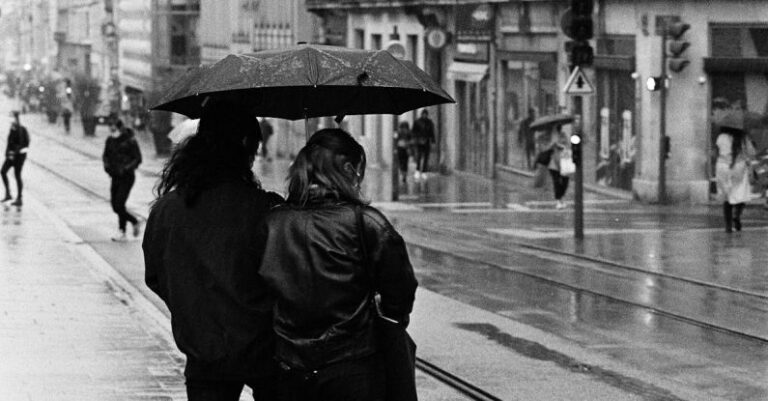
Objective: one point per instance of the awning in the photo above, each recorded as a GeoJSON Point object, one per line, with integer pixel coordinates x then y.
{"type": "Point", "coordinates": [733, 64]}
{"type": "Point", "coordinates": [470, 72]}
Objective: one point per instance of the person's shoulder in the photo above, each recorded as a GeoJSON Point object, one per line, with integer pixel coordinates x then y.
{"type": "Point", "coordinates": [376, 218]}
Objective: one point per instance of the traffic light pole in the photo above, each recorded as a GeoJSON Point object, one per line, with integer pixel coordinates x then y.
{"type": "Point", "coordinates": [662, 187]}
{"type": "Point", "coordinates": [578, 175]}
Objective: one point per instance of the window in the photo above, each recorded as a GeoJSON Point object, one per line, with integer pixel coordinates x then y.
{"type": "Point", "coordinates": [359, 39]}
{"type": "Point", "coordinates": [376, 41]}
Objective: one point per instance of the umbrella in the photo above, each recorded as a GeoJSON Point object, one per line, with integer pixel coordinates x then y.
{"type": "Point", "coordinates": [546, 122]}
{"type": "Point", "coordinates": [185, 129]}
{"type": "Point", "coordinates": [307, 81]}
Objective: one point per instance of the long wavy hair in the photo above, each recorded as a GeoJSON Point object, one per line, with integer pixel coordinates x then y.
{"type": "Point", "coordinates": [738, 139]}
{"type": "Point", "coordinates": [223, 149]}
{"type": "Point", "coordinates": [331, 164]}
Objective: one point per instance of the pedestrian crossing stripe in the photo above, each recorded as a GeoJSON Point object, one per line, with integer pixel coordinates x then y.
{"type": "Point", "coordinates": [578, 84]}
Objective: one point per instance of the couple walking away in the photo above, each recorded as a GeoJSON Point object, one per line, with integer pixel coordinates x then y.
{"type": "Point", "coordinates": [276, 295]}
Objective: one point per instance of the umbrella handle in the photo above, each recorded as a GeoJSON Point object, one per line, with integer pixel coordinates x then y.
{"type": "Point", "coordinates": [306, 125]}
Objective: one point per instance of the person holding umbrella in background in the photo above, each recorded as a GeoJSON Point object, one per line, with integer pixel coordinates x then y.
{"type": "Point", "coordinates": [734, 155]}
{"type": "Point", "coordinates": [266, 133]}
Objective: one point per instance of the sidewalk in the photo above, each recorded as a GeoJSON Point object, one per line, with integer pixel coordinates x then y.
{"type": "Point", "coordinates": [66, 333]}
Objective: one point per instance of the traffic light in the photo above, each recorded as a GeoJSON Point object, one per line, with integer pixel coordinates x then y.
{"type": "Point", "coordinates": [580, 27]}
{"type": "Point", "coordinates": [580, 53]}
{"type": "Point", "coordinates": [654, 83]}
{"type": "Point", "coordinates": [676, 46]}
{"type": "Point", "coordinates": [576, 149]}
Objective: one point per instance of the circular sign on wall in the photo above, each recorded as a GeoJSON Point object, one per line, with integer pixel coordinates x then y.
{"type": "Point", "coordinates": [437, 38]}
{"type": "Point", "coordinates": [396, 49]}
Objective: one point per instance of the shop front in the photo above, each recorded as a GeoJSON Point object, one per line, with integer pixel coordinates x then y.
{"type": "Point", "coordinates": [470, 73]}
{"type": "Point", "coordinates": [738, 75]}
{"type": "Point", "coordinates": [615, 154]}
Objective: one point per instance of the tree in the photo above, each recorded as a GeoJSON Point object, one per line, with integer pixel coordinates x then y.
{"type": "Point", "coordinates": [85, 93]}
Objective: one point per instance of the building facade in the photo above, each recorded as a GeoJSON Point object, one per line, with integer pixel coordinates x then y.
{"type": "Point", "coordinates": [246, 26]}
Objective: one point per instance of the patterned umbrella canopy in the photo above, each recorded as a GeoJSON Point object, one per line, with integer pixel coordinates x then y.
{"type": "Point", "coordinates": [307, 81]}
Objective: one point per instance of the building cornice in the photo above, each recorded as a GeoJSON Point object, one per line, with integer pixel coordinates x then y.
{"type": "Point", "coordinates": [315, 5]}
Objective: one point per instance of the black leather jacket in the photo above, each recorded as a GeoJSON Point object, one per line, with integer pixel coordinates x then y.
{"type": "Point", "coordinates": [312, 259]}
{"type": "Point", "coordinates": [200, 261]}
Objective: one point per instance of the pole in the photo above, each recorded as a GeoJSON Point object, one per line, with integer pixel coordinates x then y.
{"type": "Point", "coordinates": [395, 170]}
{"type": "Point", "coordinates": [578, 175]}
{"type": "Point", "coordinates": [662, 194]}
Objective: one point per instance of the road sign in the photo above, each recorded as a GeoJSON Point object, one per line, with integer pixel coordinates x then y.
{"type": "Point", "coordinates": [578, 84]}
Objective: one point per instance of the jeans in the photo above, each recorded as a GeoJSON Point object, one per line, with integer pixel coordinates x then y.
{"type": "Point", "coordinates": [422, 157]}
{"type": "Point", "coordinates": [119, 191]}
{"type": "Point", "coordinates": [17, 163]}
{"type": "Point", "coordinates": [353, 380]}
{"type": "Point", "coordinates": [217, 390]}
{"type": "Point", "coordinates": [560, 183]}
{"type": "Point", "coordinates": [402, 159]}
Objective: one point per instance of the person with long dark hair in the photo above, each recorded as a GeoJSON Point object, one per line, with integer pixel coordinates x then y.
{"type": "Point", "coordinates": [199, 257]}
{"type": "Point", "coordinates": [734, 154]}
{"type": "Point", "coordinates": [325, 255]}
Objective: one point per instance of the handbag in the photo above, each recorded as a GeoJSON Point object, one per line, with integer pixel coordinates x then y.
{"type": "Point", "coordinates": [567, 166]}
{"type": "Point", "coordinates": [396, 347]}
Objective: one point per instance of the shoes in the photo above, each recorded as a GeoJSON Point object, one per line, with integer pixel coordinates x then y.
{"type": "Point", "coordinates": [120, 237]}
{"type": "Point", "coordinates": [560, 205]}
{"type": "Point", "coordinates": [137, 229]}
{"type": "Point", "coordinates": [17, 202]}
{"type": "Point", "coordinates": [7, 198]}
{"type": "Point", "coordinates": [737, 224]}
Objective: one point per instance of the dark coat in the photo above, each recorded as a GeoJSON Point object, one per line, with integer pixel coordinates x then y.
{"type": "Point", "coordinates": [312, 260]}
{"type": "Point", "coordinates": [18, 139]}
{"type": "Point", "coordinates": [201, 262]}
{"type": "Point", "coordinates": [424, 131]}
{"type": "Point", "coordinates": [121, 154]}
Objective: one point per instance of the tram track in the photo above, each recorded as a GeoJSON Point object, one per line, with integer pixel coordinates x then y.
{"type": "Point", "coordinates": [456, 383]}
{"type": "Point", "coordinates": [433, 246]}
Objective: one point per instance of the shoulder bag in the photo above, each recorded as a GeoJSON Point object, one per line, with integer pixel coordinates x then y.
{"type": "Point", "coordinates": [396, 348]}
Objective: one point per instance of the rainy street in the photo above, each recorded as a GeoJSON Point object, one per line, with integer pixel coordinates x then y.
{"type": "Point", "coordinates": [657, 303]}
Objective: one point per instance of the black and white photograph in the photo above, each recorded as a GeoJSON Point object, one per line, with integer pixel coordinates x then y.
{"type": "Point", "coordinates": [384, 200]}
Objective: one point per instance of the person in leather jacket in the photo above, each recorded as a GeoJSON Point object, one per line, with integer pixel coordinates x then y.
{"type": "Point", "coordinates": [199, 258]}
{"type": "Point", "coordinates": [312, 259]}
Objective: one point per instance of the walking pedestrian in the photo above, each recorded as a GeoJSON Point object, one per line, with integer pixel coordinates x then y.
{"type": "Point", "coordinates": [424, 136]}
{"type": "Point", "coordinates": [734, 155]}
{"type": "Point", "coordinates": [313, 259]}
{"type": "Point", "coordinates": [121, 158]}
{"type": "Point", "coordinates": [403, 142]}
{"type": "Point", "coordinates": [266, 133]}
{"type": "Point", "coordinates": [199, 258]}
{"type": "Point", "coordinates": [66, 112]}
{"type": "Point", "coordinates": [559, 148]}
{"type": "Point", "coordinates": [15, 156]}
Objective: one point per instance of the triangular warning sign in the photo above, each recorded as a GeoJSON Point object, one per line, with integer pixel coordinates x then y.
{"type": "Point", "coordinates": [578, 84]}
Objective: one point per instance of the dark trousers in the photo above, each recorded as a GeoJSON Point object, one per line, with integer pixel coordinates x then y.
{"type": "Point", "coordinates": [422, 157]}
{"type": "Point", "coordinates": [355, 380]}
{"type": "Point", "coordinates": [119, 191]}
{"type": "Point", "coordinates": [66, 117]}
{"type": "Point", "coordinates": [217, 390]}
{"type": "Point", "coordinates": [559, 182]}
{"type": "Point", "coordinates": [17, 163]}
{"type": "Point", "coordinates": [732, 214]}
{"type": "Point", "coordinates": [402, 160]}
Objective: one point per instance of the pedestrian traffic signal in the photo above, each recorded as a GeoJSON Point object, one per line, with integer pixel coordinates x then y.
{"type": "Point", "coordinates": [576, 149]}
{"type": "Point", "coordinates": [654, 83]}
{"type": "Point", "coordinates": [580, 54]}
{"type": "Point", "coordinates": [676, 46]}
